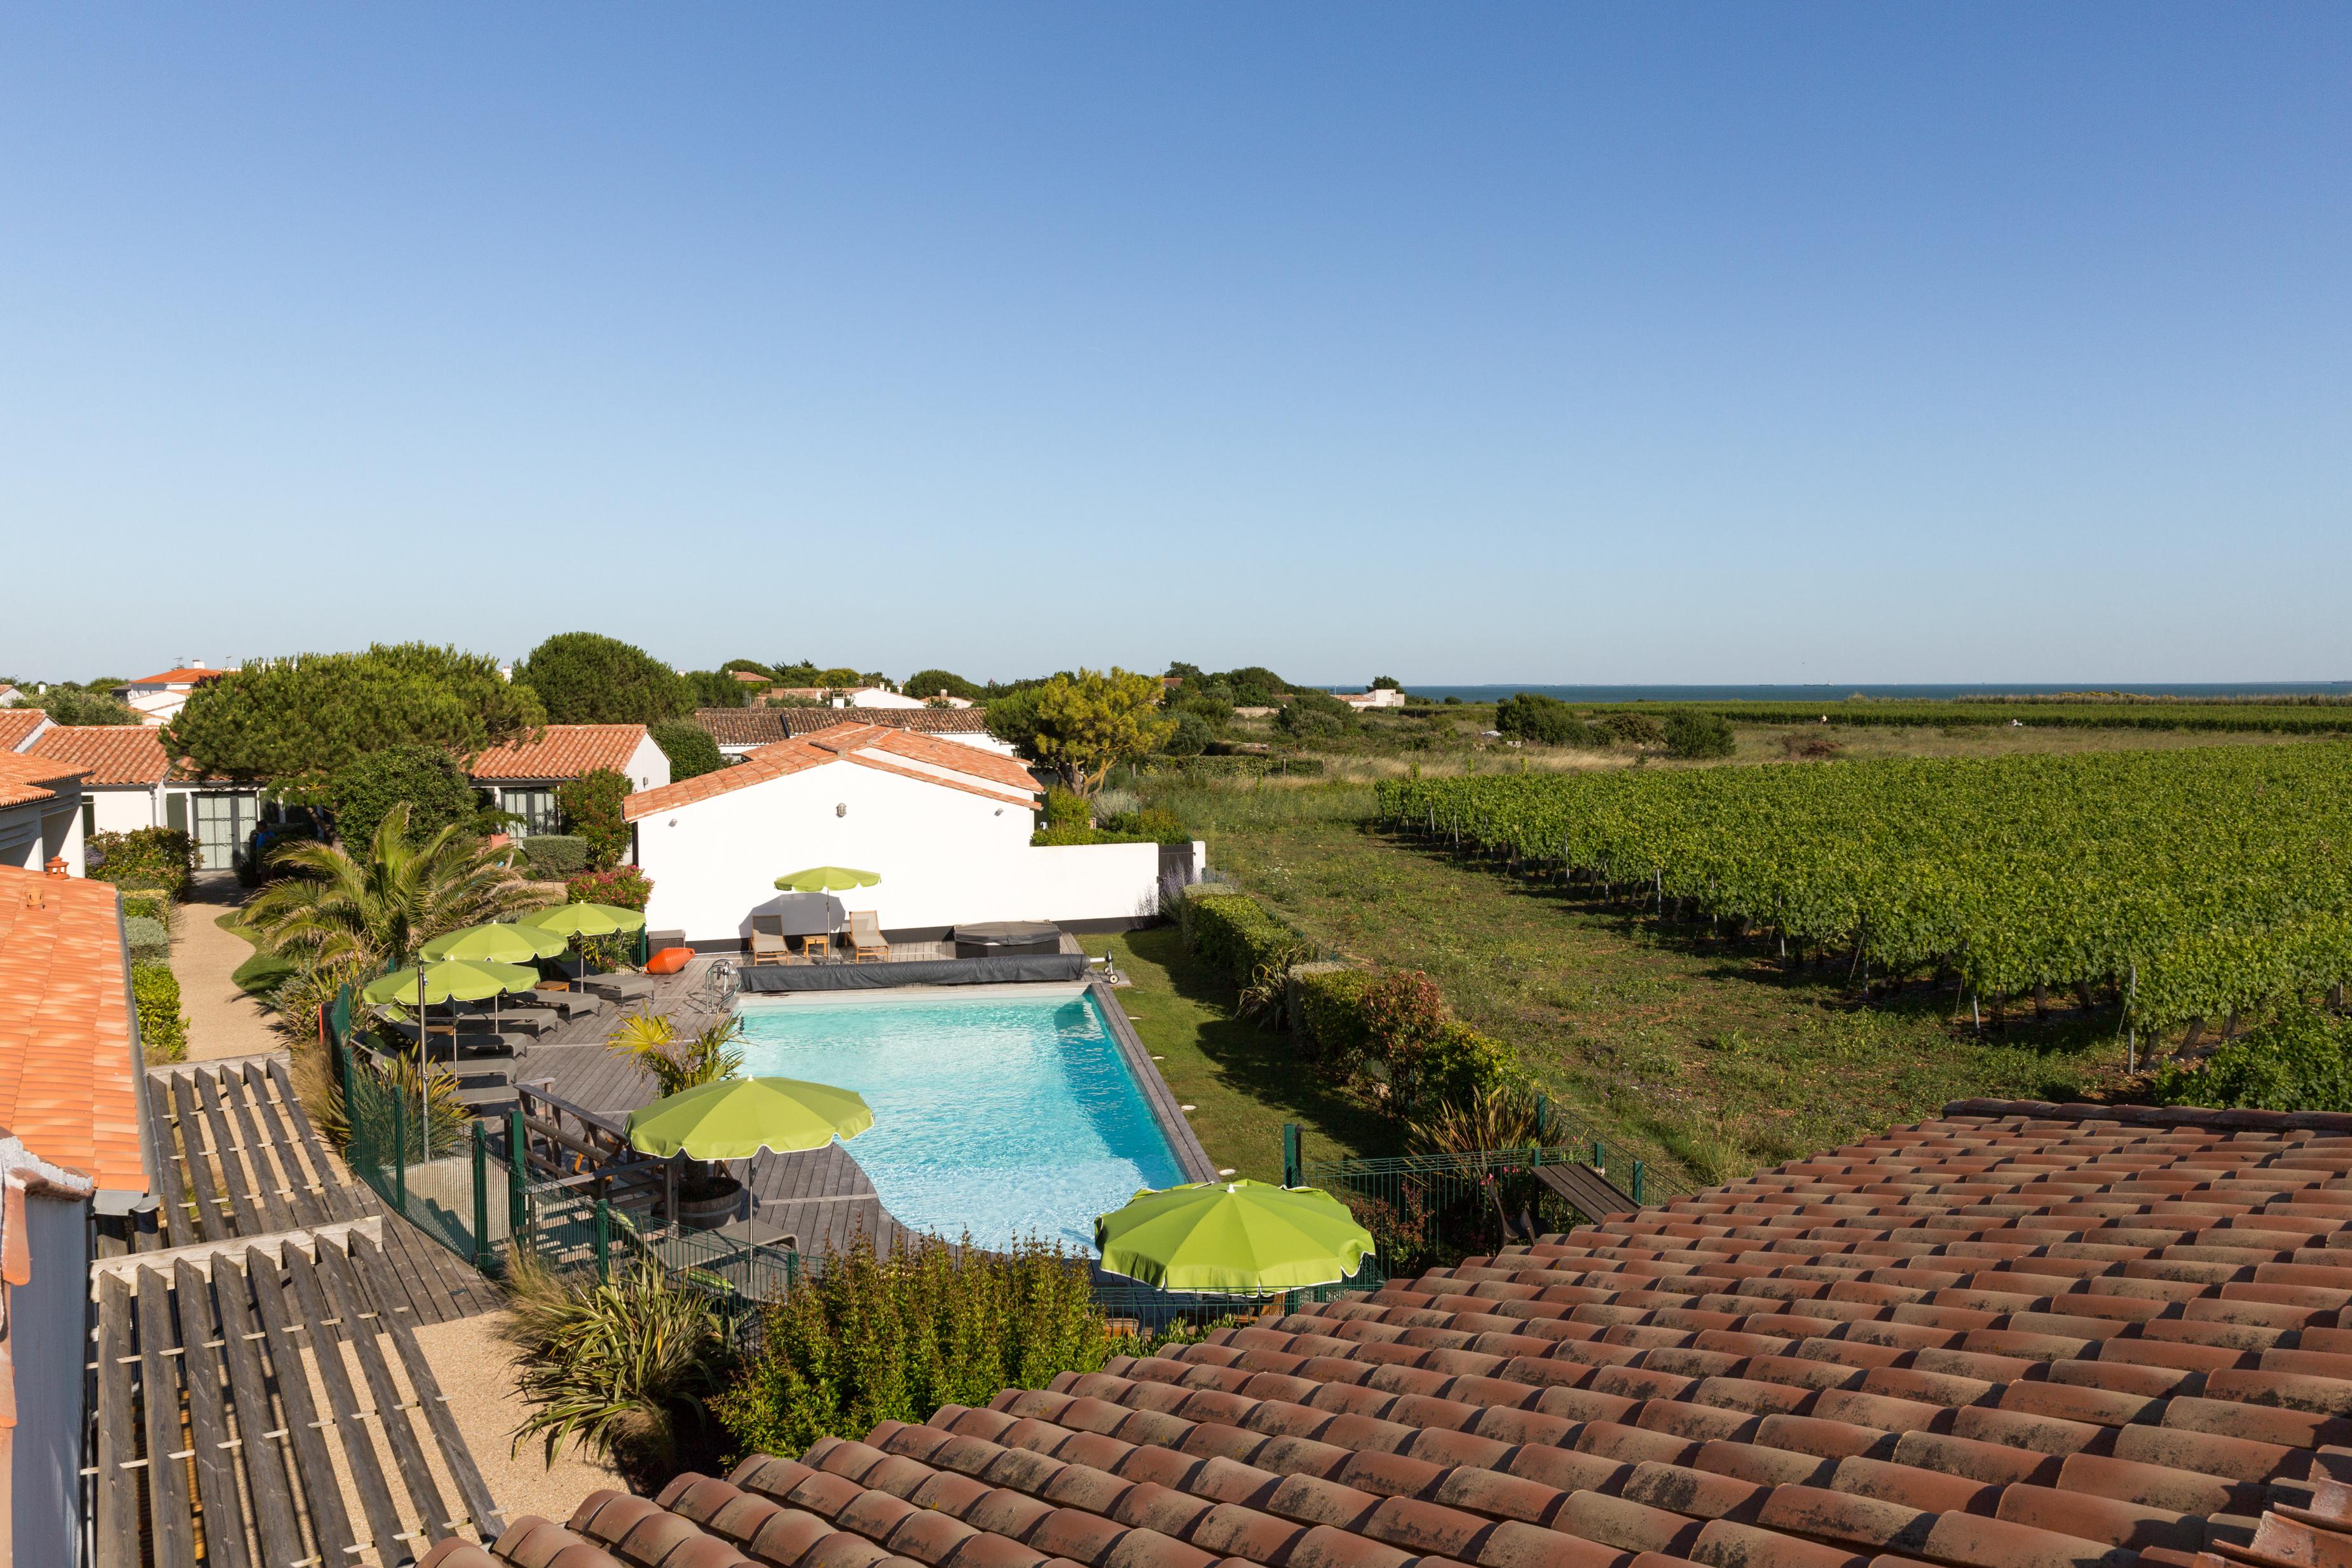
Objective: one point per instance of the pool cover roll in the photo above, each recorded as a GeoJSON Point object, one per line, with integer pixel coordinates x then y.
{"type": "Point", "coordinates": [926, 972]}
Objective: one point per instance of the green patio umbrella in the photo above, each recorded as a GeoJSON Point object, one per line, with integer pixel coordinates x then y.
{"type": "Point", "coordinates": [827, 879]}
{"type": "Point", "coordinates": [1237, 1235]}
{"type": "Point", "coordinates": [571, 920]}
{"type": "Point", "coordinates": [448, 980]}
{"type": "Point", "coordinates": [499, 944]}
{"type": "Point", "coordinates": [737, 1117]}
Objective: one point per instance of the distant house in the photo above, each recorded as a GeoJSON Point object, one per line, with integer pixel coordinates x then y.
{"type": "Point", "coordinates": [129, 783]}
{"type": "Point", "coordinates": [157, 698]}
{"type": "Point", "coordinates": [742, 730]}
{"type": "Point", "coordinates": [18, 725]}
{"type": "Point", "coordinates": [10, 696]}
{"type": "Point", "coordinates": [40, 816]}
{"type": "Point", "coordinates": [523, 777]}
{"type": "Point", "coordinates": [947, 827]}
{"type": "Point", "coordinates": [1378, 696]}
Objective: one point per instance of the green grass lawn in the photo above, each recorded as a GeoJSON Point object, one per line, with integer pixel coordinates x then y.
{"type": "Point", "coordinates": [1242, 1080]}
{"type": "Point", "coordinates": [260, 973]}
{"type": "Point", "coordinates": [1707, 1053]}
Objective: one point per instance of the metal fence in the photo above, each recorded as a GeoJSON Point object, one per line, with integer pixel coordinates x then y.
{"type": "Point", "coordinates": [1434, 1209]}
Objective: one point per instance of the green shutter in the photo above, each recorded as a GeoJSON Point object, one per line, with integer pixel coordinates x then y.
{"type": "Point", "coordinates": [175, 810]}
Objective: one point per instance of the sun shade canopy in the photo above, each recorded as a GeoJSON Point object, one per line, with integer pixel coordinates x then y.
{"type": "Point", "coordinates": [452, 980]}
{"type": "Point", "coordinates": [738, 1118]}
{"type": "Point", "coordinates": [1239, 1236]}
{"type": "Point", "coordinates": [571, 920]}
{"type": "Point", "coordinates": [827, 879]}
{"type": "Point", "coordinates": [501, 944]}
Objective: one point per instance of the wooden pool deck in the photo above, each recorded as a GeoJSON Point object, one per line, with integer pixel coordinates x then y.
{"type": "Point", "coordinates": [821, 1198]}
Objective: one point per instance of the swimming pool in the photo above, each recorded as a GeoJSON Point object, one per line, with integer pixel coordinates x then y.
{"type": "Point", "coordinates": [1003, 1116]}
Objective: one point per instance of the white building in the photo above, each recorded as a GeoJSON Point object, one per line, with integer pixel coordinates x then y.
{"type": "Point", "coordinates": [946, 826]}
{"type": "Point", "coordinates": [157, 698]}
{"type": "Point", "coordinates": [40, 814]}
{"type": "Point", "coordinates": [739, 731]}
{"type": "Point", "coordinates": [523, 777]}
{"type": "Point", "coordinates": [129, 783]}
{"type": "Point", "coordinates": [1378, 696]}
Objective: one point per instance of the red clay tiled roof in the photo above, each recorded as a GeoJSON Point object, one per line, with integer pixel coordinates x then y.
{"type": "Point", "coordinates": [991, 775]}
{"type": "Point", "coordinates": [565, 751]}
{"type": "Point", "coordinates": [67, 1085]}
{"type": "Point", "coordinates": [2022, 1336]}
{"type": "Point", "coordinates": [27, 779]}
{"type": "Point", "coordinates": [765, 725]}
{"type": "Point", "coordinates": [182, 678]}
{"type": "Point", "coordinates": [17, 724]}
{"type": "Point", "coordinates": [108, 753]}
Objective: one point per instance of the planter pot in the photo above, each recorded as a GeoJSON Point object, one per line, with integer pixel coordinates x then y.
{"type": "Point", "coordinates": [708, 1213]}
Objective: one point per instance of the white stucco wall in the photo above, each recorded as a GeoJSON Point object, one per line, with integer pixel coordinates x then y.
{"type": "Point", "coordinates": [126, 810]}
{"type": "Point", "coordinates": [946, 856]}
{"type": "Point", "coordinates": [32, 832]}
{"type": "Point", "coordinates": [648, 766]}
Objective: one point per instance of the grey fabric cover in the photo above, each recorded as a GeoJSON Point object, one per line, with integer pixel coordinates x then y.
{"type": "Point", "coordinates": [928, 972]}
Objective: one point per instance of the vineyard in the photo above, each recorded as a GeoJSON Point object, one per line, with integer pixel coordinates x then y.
{"type": "Point", "coordinates": [2186, 885]}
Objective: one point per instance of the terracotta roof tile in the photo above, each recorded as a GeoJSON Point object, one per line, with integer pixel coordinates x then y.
{"type": "Point", "coordinates": [111, 754]}
{"type": "Point", "coordinates": [185, 676]}
{"type": "Point", "coordinates": [23, 779]}
{"type": "Point", "coordinates": [565, 751]}
{"type": "Point", "coordinates": [766, 726]}
{"type": "Point", "coordinates": [17, 725]}
{"type": "Point", "coordinates": [67, 1087]}
{"type": "Point", "coordinates": [863, 745]}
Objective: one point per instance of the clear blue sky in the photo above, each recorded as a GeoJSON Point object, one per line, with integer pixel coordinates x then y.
{"type": "Point", "coordinates": [1548, 344]}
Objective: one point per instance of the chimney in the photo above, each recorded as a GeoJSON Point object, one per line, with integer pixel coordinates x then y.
{"type": "Point", "coordinates": [196, 664]}
{"type": "Point", "coordinates": [56, 866]}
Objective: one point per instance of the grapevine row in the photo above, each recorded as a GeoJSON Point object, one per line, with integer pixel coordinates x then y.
{"type": "Point", "coordinates": [2198, 884]}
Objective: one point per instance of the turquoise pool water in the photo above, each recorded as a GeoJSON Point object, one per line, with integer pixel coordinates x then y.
{"type": "Point", "coordinates": [1004, 1117]}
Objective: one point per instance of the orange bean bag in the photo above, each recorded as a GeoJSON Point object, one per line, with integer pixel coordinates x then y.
{"type": "Point", "coordinates": [669, 960]}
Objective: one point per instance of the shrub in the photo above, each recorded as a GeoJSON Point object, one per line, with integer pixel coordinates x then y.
{"type": "Point", "coordinates": [1403, 1012]}
{"type": "Point", "coordinates": [150, 939]}
{"type": "Point", "coordinates": [1545, 720]}
{"type": "Point", "coordinates": [1154, 824]}
{"type": "Point", "coordinates": [876, 1337]}
{"type": "Point", "coordinates": [677, 1063]}
{"type": "Point", "coordinates": [1315, 716]}
{"type": "Point", "coordinates": [162, 858]}
{"type": "Point", "coordinates": [2299, 1060]}
{"type": "Point", "coordinates": [592, 804]}
{"type": "Point", "coordinates": [689, 748]}
{"type": "Point", "coordinates": [153, 904]}
{"type": "Point", "coordinates": [623, 887]}
{"type": "Point", "coordinates": [163, 1031]}
{"type": "Point", "coordinates": [623, 1368]}
{"type": "Point", "coordinates": [1235, 935]}
{"type": "Point", "coordinates": [1462, 1067]}
{"type": "Point", "coordinates": [425, 778]}
{"type": "Point", "coordinates": [1633, 729]}
{"type": "Point", "coordinates": [1506, 1115]}
{"type": "Point", "coordinates": [553, 857]}
{"type": "Point", "coordinates": [1698, 735]}
{"type": "Point", "coordinates": [1065, 809]}
{"type": "Point", "coordinates": [1326, 1015]}
{"type": "Point", "coordinates": [1191, 736]}
{"type": "Point", "coordinates": [1067, 833]}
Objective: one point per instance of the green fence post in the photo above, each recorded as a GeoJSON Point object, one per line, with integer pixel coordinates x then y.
{"type": "Point", "coordinates": [481, 1200]}
{"type": "Point", "coordinates": [400, 1151]}
{"type": "Point", "coordinates": [1543, 1118]}
{"type": "Point", "coordinates": [1291, 1173]}
{"type": "Point", "coordinates": [1637, 1181]}
{"type": "Point", "coordinates": [603, 1240]}
{"type": "Point", "coordinates": [1599, 1156]}
{"type": "Point", "coordinates": [517, 1180]}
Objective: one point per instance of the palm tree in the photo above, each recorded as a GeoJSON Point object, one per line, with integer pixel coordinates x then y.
{"type": "Point", "coordinates": [340, 913]}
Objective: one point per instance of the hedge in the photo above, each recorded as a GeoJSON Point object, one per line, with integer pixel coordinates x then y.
{"type": "Point", "coordinates": [552, 857]}
{"type": "Point", "coordinates": [162, 858]}
{"type": "Point", "coordinates": [150, 940]}
{"type": "Point", "coordinates": [1326, 1012]}
{"type": "Point", "coordinates": [152, 903]}
{"type": "Point", "coordinates": [163, 1032]}
{"type": "Point", "coordinates": [1237, 936]}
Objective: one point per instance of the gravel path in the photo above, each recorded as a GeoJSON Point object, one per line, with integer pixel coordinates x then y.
{"type": "Point", "coordinates": [222, 1019]}
{"type": "Point", "coordinates": [476, 1370]}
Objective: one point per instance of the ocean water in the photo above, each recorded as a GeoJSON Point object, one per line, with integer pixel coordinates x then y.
{"type": "Point", "coordinates": [999, 1117]}
{"type": "Point", "coordinates": [1828, 693]}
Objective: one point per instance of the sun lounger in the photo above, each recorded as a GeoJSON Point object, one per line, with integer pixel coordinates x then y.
{"type": "Point", "coordinates": [768, 945]}
{"type": "Point", "coordinates": [621, 988]}
{"type": "Point", "coordinates": [865, 939]}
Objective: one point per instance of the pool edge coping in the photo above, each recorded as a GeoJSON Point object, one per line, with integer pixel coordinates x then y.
{"type": "Point", "coordinates": [1190, 1154]}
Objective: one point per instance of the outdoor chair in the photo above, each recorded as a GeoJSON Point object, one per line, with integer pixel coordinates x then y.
{"type": "Point", "coordinates": [768, 945]}
{"type": "Point", "coordinates": [866, 940]}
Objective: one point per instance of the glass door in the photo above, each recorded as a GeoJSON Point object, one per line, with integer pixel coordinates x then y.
{"type": "Point", "coordinates": [224, 822]}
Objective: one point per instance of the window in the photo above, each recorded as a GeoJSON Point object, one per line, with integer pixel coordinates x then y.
{"type": "Point", "coordinates": [537, 809]}
{"type": "Point", "coordinates": [89, 819]}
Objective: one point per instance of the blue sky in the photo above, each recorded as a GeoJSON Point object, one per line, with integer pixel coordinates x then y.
{"type": "Point", "coordinates": [1547, 343]}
